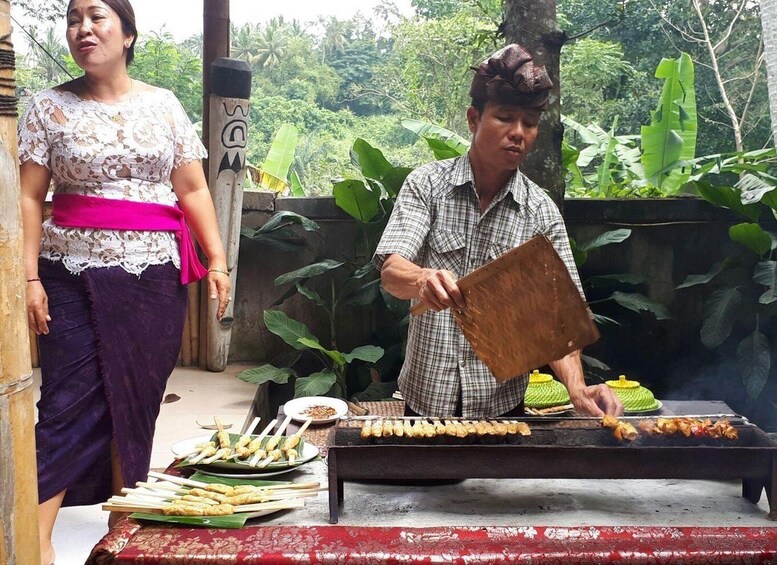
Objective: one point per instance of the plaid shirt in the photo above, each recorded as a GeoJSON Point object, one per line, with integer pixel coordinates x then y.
{"type": "Point", "coordinates": [436, 223]}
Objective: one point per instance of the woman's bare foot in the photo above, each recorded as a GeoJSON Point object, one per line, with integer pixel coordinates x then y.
{"type": "Point", "coordinates": [46, 554]}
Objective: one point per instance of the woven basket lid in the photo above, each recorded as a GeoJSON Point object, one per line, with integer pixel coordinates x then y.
{"type": "Point", "coordinates": [635, 398]}
{"type": "Point", "coordinates": [544, 391]}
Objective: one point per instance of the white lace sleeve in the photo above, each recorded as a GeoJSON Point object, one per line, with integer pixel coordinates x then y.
{"type": "Point", "coordinates": [33, 141]}
{"type": "Point", "coordinates": [188, 146]}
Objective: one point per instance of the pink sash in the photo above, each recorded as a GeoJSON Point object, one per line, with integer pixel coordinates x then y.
{"type": "Point", "coordinates": [77, 211]}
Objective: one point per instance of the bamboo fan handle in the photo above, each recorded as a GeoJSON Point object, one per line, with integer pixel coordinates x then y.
{"type": "Point", "coordinates": [419, 309]}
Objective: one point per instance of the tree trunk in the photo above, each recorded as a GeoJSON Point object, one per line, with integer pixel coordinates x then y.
{"type": "Point", "coordinates": [532, 23]}
{"type": "Point", "coordinates": [18, 484]}
{"type": "Point", "coordinates": [769, 23]}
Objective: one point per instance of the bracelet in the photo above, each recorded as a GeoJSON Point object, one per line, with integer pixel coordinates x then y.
{"type": "Point", "coordinates": [222, 271]}
{"type": "Point", "coordinates": [32, 280]}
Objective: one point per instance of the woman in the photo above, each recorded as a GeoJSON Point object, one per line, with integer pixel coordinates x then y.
{"type": "Point", "coordinates": [106, 275]}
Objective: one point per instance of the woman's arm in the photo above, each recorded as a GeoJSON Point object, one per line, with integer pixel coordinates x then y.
{"type": "Point", "coordinates": [194, 198]}
{"type": "Point", "coordinates": [34, 180]}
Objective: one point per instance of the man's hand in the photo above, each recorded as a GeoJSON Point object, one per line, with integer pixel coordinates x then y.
{"type": "Point", "coordinates": [596, 400]}
{"type": "Point", "coordinates": [592, 400]}
{"type": "Point", "coordinates": [406, 280]}
{"type": "Point", "coordinates": [439, 290]}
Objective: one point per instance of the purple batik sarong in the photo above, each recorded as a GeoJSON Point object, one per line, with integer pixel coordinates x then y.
{"type": "Point", "coordinates": [113, 342]}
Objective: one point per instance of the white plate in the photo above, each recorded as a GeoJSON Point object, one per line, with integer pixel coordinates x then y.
{"type": "Point", "coordinates": [187, 446]}
{"type": "Point", "coordinates": [297, 407]}
{"type": "Point", "coordinates": [227, 475]}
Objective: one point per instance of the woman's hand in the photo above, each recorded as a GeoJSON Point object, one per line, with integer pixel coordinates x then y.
{"type": "Point", "coordinates": [37, 308]}
{"type": "Point", "coordinates": [220, 288]}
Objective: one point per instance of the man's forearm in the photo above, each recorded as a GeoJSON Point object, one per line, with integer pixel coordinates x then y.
{"type": "Point", "coordinates": [401, 278]}
{"type": "Point", "coordinates": [569, 371]}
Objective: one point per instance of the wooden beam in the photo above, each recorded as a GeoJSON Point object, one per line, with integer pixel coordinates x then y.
{"type": "Point", "coordinates": [215, 44]}
{"type": "Point", "coordinates": [19, 491]}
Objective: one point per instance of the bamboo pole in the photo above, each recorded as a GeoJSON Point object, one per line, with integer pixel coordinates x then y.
{"type": "Point", "coordinates": [18, 484]}
{"type": "Point", "coordinates": [231, 90]}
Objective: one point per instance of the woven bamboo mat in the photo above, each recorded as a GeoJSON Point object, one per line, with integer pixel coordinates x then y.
{"type": "Point", "coordinates": [318, 435]}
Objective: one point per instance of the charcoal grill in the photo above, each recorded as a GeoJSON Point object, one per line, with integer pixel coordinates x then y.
{"type": "Point", "coordinates": [565, 448]}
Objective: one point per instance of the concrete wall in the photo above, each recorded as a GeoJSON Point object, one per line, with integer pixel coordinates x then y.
{"type": "Point", "coordinates": [671, 238]}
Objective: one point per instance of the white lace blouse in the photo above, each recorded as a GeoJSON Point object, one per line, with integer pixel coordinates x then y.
{"type": "Point", "coordinates": [123, 151]}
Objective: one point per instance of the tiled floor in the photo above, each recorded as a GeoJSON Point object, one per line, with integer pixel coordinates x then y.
{"type": "Point", "coordinates": [202, 395]}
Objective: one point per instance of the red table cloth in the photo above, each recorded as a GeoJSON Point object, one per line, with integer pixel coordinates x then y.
{"type": "Point", "coordinates": [132, 543]}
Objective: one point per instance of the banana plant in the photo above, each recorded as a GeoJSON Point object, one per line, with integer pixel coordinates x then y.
{"type": "Point", "coordinates": [612, 287]}
{"type": "Point", "coordinates": [657, 162]}
{"type": "Point", "coordinates": [331, 378]}
{"type": "Point", "coordinates": [273, 174]}
{"type": "Point", "coordinates": [444, 143]}
{"type": "Point", "coordinates": [670, 139]}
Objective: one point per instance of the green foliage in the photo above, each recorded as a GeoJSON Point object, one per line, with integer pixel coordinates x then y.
{"type": "Point", "coordinates": [671, 136]}
{"type": "Point", "coordinates": [614, 165]}
{"type": "Point", "coordinates": [427, 73]}
{"type": "Point", "coordinates": [161, 62]}
{"type": "Point", "coordinates": [739, 304]}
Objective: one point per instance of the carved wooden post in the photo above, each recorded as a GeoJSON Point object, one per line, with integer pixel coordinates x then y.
{"type": "Point", "coordinates": [532, 23]}
{"type": "Point", "coordinates": [18, 483]}
{"type": "Point", "coordinates": [230, 92]}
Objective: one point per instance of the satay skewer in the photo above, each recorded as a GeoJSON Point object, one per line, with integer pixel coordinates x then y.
{"type": "Point", "coordinates": [255, 447]}
{"type": "Point", "coordinates": [241, 445]}
{"type": "Point", "coordinates": [221, 435]}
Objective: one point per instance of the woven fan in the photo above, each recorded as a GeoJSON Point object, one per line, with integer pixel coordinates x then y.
{"type": "Point", "coordinates": [523, 310]}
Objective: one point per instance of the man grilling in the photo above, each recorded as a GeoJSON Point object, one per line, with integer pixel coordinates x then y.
{"type": "Point", "coordinates": [452, 217]}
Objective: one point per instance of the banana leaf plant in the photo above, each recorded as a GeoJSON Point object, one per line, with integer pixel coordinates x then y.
{"type": "Point", "coordinates": [670, 139]}
{"type": "Point", "coordinates": [444, 143]}
{"type": "Point", "coordinates": [273, 174]}
{"type": "Point", "coordinates": [658, 162]}
{"type": "Point", "coordinates": [612, 287]}
{"type": "Point", "coordinates": [741, 303]}
{"type": "Point", "coordinates": [331, 378]}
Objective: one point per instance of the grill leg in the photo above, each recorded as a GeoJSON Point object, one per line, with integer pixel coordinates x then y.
{"type": "Point", "coordinates": [335, 487]}
{"type": "Point", "coordinates": [771, 491]}
{"type": "Point", "coordinates": [751, 489]}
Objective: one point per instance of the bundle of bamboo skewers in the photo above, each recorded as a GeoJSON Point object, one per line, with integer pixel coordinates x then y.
{"type": "Point", "coordinates": [254, 451]}
{"type": "Point", "coordinates": [176, 496]}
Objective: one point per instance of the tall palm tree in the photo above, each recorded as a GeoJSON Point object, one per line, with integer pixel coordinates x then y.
{"type": "Point", "coordinates": [769, 23]}
{"type": "Point", "coordinates": [272, 45]}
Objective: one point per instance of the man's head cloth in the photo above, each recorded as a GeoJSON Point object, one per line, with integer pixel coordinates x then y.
{"type": "Point", "coordinates": [510, 76]}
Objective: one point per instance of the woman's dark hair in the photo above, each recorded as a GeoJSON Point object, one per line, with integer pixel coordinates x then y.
{"type": "Point", "coordinates": [127, 16]}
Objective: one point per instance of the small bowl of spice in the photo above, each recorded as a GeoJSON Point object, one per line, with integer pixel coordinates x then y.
{"type": "Point", "coordinates": [321, 409]}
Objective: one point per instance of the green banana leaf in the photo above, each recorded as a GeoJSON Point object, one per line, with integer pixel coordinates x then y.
{"type": "Point", "coordinates": [358, 201]}
{"type": "Point", "coordinates": [637, 302]}
{"type": "Point", "coordinates": [286, 328]}
{"type": "Point", "coordinates": [232, 521]}
{"type": "Point", "coordinates": [315, 384]}
{"type": "Point", "coordinates": [608, 237]}
{"type": "Point", "coordinates": [766, 274]}
{"type": "Point", "coordinates": [444, 143]}
{"type": "Point", "coordinates": [281, 153]}
{"type": "Point", "coordinates": [754, 359]}
{"type": "Point", "coordinates": [720, 313]}
{"type": "Point", "coordinates": [266, 373]}
{"type": "Point", "coordinates": [308, 271]}
{"type": "Point", "coordinates": [670, 139]}
{"type": "Point", "coordinates": [751, 236]}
